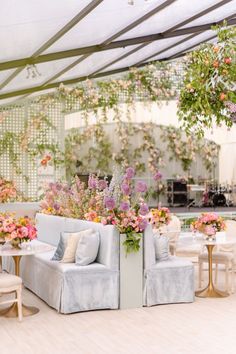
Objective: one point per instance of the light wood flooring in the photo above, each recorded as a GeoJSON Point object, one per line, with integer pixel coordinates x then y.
{"type": "Point", "coordinates": [207, 326]}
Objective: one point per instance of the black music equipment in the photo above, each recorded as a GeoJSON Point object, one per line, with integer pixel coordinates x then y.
{"type": "Point", "coordinates": [219, 200]}
{"type": "Point", "coordinates": [177, 194]}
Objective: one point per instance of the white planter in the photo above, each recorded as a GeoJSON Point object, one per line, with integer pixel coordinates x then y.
{"type": "Point", "coordinates": [131, 277]}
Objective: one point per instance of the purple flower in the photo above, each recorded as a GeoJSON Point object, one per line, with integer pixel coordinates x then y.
{"type": "Point", "coordinates": [143, 224]}
{"type": "Point", "coordinates": [141, 187]}
{"type": "Point", "coordinates": [124, 206]}
{"type": "Point", "coordinates": [130, 172]}
{"type": "Point", "coordinates": [125, 188]}
{"type": "Point", "coordinates": [110, 203]}
{"type": "Point", "coordinates": [56, 206]}
{"type": "Point", "coordinates": [92, 183]}
{"type": "Point", "coordinates": [102, 184]}
{"type": "Point", "coordinates": [58, 187]}
{"type": "Point", "coordinates": [143, 210]}
{"type": "Point", "coordinates": [157, 176]}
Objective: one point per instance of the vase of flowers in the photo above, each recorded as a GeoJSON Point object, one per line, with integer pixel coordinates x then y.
{"type": "Point", "coordinates": [159, 217]}
{"type": "Point", "coordinates": [209, 224]}
{"type": "Point", "coordinates": [16, 230]}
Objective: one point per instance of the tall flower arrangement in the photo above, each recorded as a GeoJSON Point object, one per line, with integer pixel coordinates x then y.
{"type": "Point", "coordinates": [126, 208]}
{"type": "Point", "coordinates": [121, 203]}
{"type": "Point", "coordinates": [75, 200]}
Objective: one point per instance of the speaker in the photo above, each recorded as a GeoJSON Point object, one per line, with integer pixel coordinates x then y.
{"type": "Point", "coordinates": [177, 192]}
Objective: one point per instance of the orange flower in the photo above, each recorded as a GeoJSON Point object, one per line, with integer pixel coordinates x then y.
{"type": "Point", "coordinates": [216, 64]}
{"type": "Point", "coordinates": [44, 162]}
{"type": "Point", "coordinates": [216, 49]}
{"type": "Point", "coordinates": [222, 96]}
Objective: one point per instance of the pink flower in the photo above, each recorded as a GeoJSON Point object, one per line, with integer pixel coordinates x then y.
{"type": "Point", "coordinates": [210, 230]}
{"type": "Point", "coordinates": [102, 184]}
{"type": "Point", "coordinates": [22, 232]}
{"type": "Point", "coordinates": [157, 176]}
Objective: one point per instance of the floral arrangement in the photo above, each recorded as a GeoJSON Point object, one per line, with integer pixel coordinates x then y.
{"type": "Point", "coordinates": [75, 200]}
{"type": "Point", "coordinates": [208, 224]}
{"type": "Point", "coordinates": [209, 84]}
{"type": "Point", "coordinates": [16, 230]}
{"type": "Point", "coordinates": [8, 190]}
{"type": "Point", "coordinates": [121, 203]}
{"type": "Point", "coordinates": [160, 217]}
{"type": "Point", "coordinates": [126, 209]}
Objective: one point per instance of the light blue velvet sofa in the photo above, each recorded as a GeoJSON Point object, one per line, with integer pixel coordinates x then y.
{"type": "Point", "coordinates": [165, 282]}
{"type": "Point", "coordinates": [69, 287]}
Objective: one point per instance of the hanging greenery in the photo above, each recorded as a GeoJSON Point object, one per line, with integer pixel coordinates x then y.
{"type": "Point", "coordinates": [184, 148]}
{"type": "Point", "coordinates": [137, 144]}
{"type": "Point", "coordinates": [209, 90]}
{"type": "Point", "coordinates": [155, 82]}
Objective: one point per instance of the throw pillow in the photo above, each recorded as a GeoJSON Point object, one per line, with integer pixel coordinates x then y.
{"type": "Point", "coordinates": [59, 253]}
{"type": "Point", "coordinates": [161, 243]}
{"type": "Point", "coordinates": [87, 249]}
{"type": "Point", "coordinates": [71, 245]}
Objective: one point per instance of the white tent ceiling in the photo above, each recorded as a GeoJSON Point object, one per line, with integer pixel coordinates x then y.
{"type": "Point", "coordinates": [71, 40]}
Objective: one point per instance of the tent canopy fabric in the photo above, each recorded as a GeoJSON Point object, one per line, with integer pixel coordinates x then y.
{"type": "Point", "coordinates": [45, 43]}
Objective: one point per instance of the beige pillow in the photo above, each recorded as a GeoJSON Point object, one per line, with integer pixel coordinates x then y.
{"type": "Point", "coordinates": [71, 245]}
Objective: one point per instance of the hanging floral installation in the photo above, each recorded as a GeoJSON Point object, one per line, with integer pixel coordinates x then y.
{"type": "Point", "coordinates": [208, 95]}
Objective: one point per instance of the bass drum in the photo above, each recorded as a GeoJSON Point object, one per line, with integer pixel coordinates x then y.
{"type": "Point", "coordinates": [219, 200]}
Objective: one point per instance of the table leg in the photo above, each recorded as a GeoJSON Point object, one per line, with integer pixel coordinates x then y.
{"type": "Point", "coordinates": [210, 290]}
{"type": "Point", "coordinates": [12, 311]}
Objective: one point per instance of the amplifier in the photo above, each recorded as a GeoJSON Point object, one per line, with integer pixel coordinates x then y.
{"type": "Point", "coordinates": [177, 194]}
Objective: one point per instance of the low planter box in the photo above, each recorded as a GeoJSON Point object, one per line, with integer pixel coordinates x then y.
{"type": "Point", "coordinates": [131, 277]}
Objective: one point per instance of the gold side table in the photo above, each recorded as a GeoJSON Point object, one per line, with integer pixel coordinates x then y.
{"type": "Point", "coordinates": [210, 290]}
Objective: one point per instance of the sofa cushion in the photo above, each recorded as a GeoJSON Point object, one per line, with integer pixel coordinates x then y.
{"type": "Point", "coordinates": [72, 241]}
{"type": "Point", "coordinates": [60, 250]}
{"type": "Point", "coordinates": [173, 262]}
{"type": "Point", "coordinates": [161, 247]}
{"type": "Point", "coordinates": [87, 248]}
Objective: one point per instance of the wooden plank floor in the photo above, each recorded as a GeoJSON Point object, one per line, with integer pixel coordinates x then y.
{"type": "Point", "coordinates": [207, 326]}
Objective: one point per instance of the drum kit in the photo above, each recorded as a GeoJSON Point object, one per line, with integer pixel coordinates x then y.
{"type": "Point", "coordinates": [212, 195]}
{"type": "Point", "coordinates": [217, 196]}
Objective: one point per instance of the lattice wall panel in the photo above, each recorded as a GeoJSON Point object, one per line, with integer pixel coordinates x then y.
{"type": "Point", "coordinates": [13, 121]}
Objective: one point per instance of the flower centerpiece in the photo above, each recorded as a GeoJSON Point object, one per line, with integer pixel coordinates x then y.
{"type": "Point", "coordinates": [160, 217]}
{"type": "Point", "coordinates": [16, 230]}
{"type": "Point", "coordinates": [209, 224]}
{"type": "Point", "coordinates": [126, 208]}
{"type": "Point", "coordinates": [8, 190]}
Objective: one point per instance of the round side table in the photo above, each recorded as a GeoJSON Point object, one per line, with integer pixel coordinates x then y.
{"type": "Point", "coordinates": [17, 254]}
